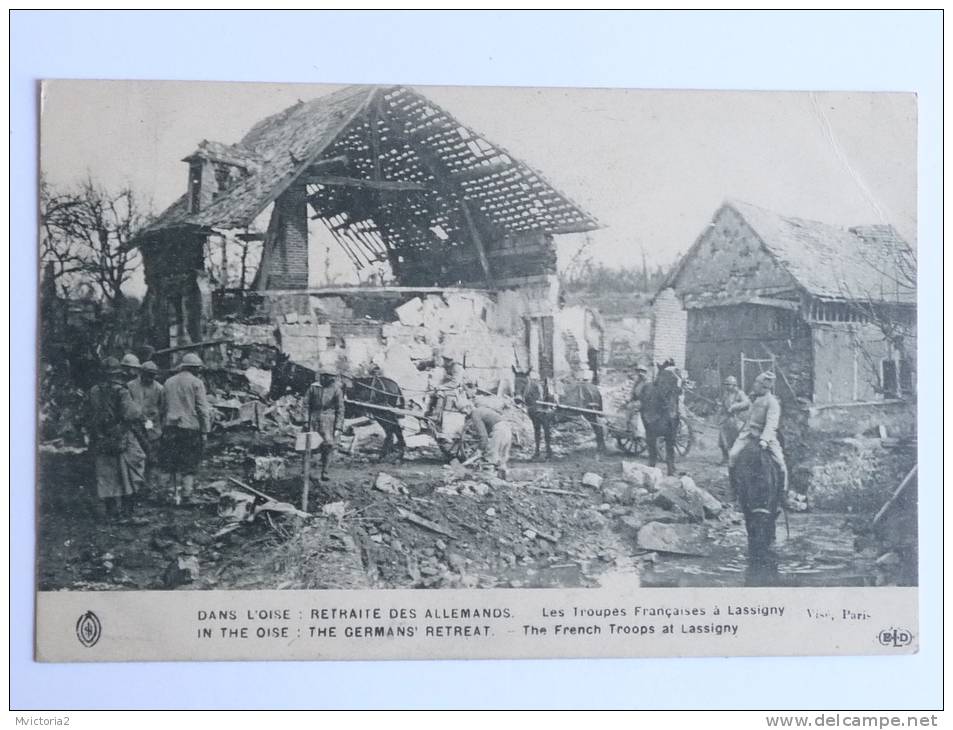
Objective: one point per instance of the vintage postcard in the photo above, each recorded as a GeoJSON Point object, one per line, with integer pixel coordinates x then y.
{"type": "Point", "coordinates": [443, 372]}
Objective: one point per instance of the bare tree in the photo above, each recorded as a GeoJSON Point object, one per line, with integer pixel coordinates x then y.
{"type": "Point", "coordinates": [86, 234]}
{"type": "Point", "coordinates": [889, 310]}
{"type": "Point", "coordinates": [60, 252]}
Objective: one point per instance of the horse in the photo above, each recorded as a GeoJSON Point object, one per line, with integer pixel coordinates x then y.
{"type": "Point", "coordinates": [758, 485]}
{"type": "Point", "coordinates": [576, 395]}
{"type": "Point", "coordinates": [380, 391]}
{"type": "Point", "coordinates": [290, 377]}
{"type": "Point", "coordinates": [660, 414]}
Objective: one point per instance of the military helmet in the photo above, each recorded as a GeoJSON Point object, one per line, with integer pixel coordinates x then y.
{"type": "Point", "coordinates": [150, 366]}
{"type": "Point", "coordinates": [130, 361]}
{"type": "Point", "coordinates": [731, 380]}
{"type": "Point", "coordinates": [191, 360]}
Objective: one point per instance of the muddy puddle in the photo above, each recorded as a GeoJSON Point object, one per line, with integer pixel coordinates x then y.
{"type": "Point", "coordinates": [819, 551]}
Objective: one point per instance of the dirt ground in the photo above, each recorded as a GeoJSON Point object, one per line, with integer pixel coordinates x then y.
{"type": "Point", "coordinates": [444, 527]}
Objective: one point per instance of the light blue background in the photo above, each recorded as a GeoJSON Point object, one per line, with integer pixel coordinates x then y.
{"type": "Point", "coordinates": [894, 51]}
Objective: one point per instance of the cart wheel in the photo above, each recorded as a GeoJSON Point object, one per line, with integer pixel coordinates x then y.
{"type": "Point", "coordinates": [461, 448]}
{"type": "Point", "coordinates": [630, 444]}
{"type": "Point", "coordinates": [684, 437]}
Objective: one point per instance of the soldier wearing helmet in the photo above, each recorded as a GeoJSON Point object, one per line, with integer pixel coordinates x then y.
{"type": "Point", "coordinates": [187, 422]}
{"type": "Point", "coordinates": [733, 407]}
{"type": "Point", "coordinates": [325, 414]}
{"type": "Point", "coordinates": [640, 379]}
{"type": "Point", "coordinates": [764, 417]}
{"type": "Point", "coordinates": [111, 421]}
{"type": "Point", "coordinates": [150, 397]}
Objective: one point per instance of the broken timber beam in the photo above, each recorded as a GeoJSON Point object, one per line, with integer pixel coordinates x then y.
{"type": "Point", "coordinates": [392, 185]}
{"type": "Point", "coordinates": [416, 519]}
{"type": "Point", "coordinates": [266, 497]}
{"type": "Point", "coordinates": [574, 409]}
{"type": "Point", "coordinates": [907, 480]}
{"type": "Point", "coordinates": [477, 242]}
{"type": "Point", "coordinates": [193, 346]}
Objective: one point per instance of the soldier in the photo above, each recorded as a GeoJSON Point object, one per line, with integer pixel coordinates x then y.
{"type": "Point", "coordinates": [634, 407]}
{"type": "Point", "coordinates": [495, 433]}
{"type": "Point", "coordinates": [187, 423]}
{"type": "Point", "coordinates": [450, 383]}
{"type": "Point", "coordinates": [764, 417]}
{"type": "Point", "coordinates": [150, 397]}
{"type": "Point", "coordinates": [734, 403]}
{"type": "Point", "coordinates": [326, 414]}
{"type": "Point", "coordinates": [111, 420]}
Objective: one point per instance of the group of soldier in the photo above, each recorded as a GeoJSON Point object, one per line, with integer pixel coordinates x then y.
{"type": "Point", "coordinates": [743, 419]}
{"type": "Point", "coordinates": [142, 432]}
{"type": "Point", "coordinates": [139, 429]}
{"type": "Point", "coordinates": [326, 405]}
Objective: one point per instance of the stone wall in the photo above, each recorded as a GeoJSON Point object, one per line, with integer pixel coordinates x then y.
{"type": "Point", "coordinates": [898, 417]}
{"type": "Point", "coordinates": [851, 474]}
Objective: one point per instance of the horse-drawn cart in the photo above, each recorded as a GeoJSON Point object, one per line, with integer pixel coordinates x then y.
{"type": "Point", "coordinates": [620, 426]}
{"type": "Point", "coordinates": [447, 427]}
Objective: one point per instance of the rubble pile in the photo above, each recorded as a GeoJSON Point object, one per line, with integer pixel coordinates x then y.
{"type": "Point", "coordinates": [464, 527]}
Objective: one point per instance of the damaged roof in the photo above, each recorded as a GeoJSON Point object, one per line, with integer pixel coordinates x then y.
{"type": "Point", "coordinates": [864, 262]}
{"type": "Point", "coordinates": [285, 144]}
{"type": "Point", "coordinates": [416, 142]}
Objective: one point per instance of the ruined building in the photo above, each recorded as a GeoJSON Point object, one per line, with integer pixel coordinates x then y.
{"type": "Point", "coordinates": [402, 186]}
{"type": "Point", "coordinates": [832, 310]}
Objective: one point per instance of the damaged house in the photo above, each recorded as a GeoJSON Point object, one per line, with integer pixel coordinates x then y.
{"type": "Point", "coordinates": [831, 310]}
{"type": "Point", "coordinates": [456, 232]}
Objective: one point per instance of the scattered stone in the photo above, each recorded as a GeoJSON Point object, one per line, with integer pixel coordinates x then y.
{"type": "Point", "coordinates": [181, 571]}
{"type": "Point", "coordinates": [531, 474]}
{"type": "Point", "coordinates": [592, 519]}
{"type": "Point", "coordinates": [262, 468]}
{"type": "Point", "coordinates": [529, 534]}
{"type": "Point", "coordinates": [680, 539]}
{"type": "Point", "coordinates": [619, 492]}
{"type": "Point", "coordinates": [441, 545]}
{"type": "Point", "coordinates": [591, 479]}
{"type": "Point", "coordinates": [676, 499]}
{"type": "Point", "coordinates": [389, 485]}
{"type": "Point", "coordinates": [335, 509]}
{"type": "Point", "coordinates": [710, 504]}
{"type": "Point", "coordinates": [491, 512]}
{"type": "Point", "coordinates": [641, 475]}
{"type": "Point", "coordinates": [629, 525]}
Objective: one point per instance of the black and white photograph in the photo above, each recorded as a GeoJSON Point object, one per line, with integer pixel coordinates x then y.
{"type": "Point", "coordinates": [299, 337]}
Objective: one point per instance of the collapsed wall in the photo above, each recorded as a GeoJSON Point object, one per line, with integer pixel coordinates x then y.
{"type": "Point", "coordinates": [401, 333]}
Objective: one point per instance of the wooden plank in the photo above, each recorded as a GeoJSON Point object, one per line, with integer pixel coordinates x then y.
{"type": "Point", "coordinates": [320, 166]}
{"type": "Point", "coordinates": [266, 497]}
{"type": "Point", "coordinates": [477, 242]}
{"type": "Point", "coordinates": [416, 519]}
{"type": "Point", "coordinates": [907, 480]}
{"type": "Point", "coordinates": [267, 249]}
{"type": "Point", "coordinates": [193, 346]}
{"type": "Point", "coordinates": [388, 409]}
{"type": "Point", "coordinates": [574, 409]}
{"type": "Point", "coordinates": [357, 182]}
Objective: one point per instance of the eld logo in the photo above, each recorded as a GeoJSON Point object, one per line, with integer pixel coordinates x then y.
{"type": "Point", "coordinates": [895, 637]}
{"type": "Point", "coordinates": [88, 629]}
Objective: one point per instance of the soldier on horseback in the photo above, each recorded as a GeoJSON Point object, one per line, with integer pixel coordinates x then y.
{"type": "Point", "coordinates": [764, 416]}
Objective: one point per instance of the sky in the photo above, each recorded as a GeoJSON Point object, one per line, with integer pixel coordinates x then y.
{"type": "Point", "coordinates": [652, 166]}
